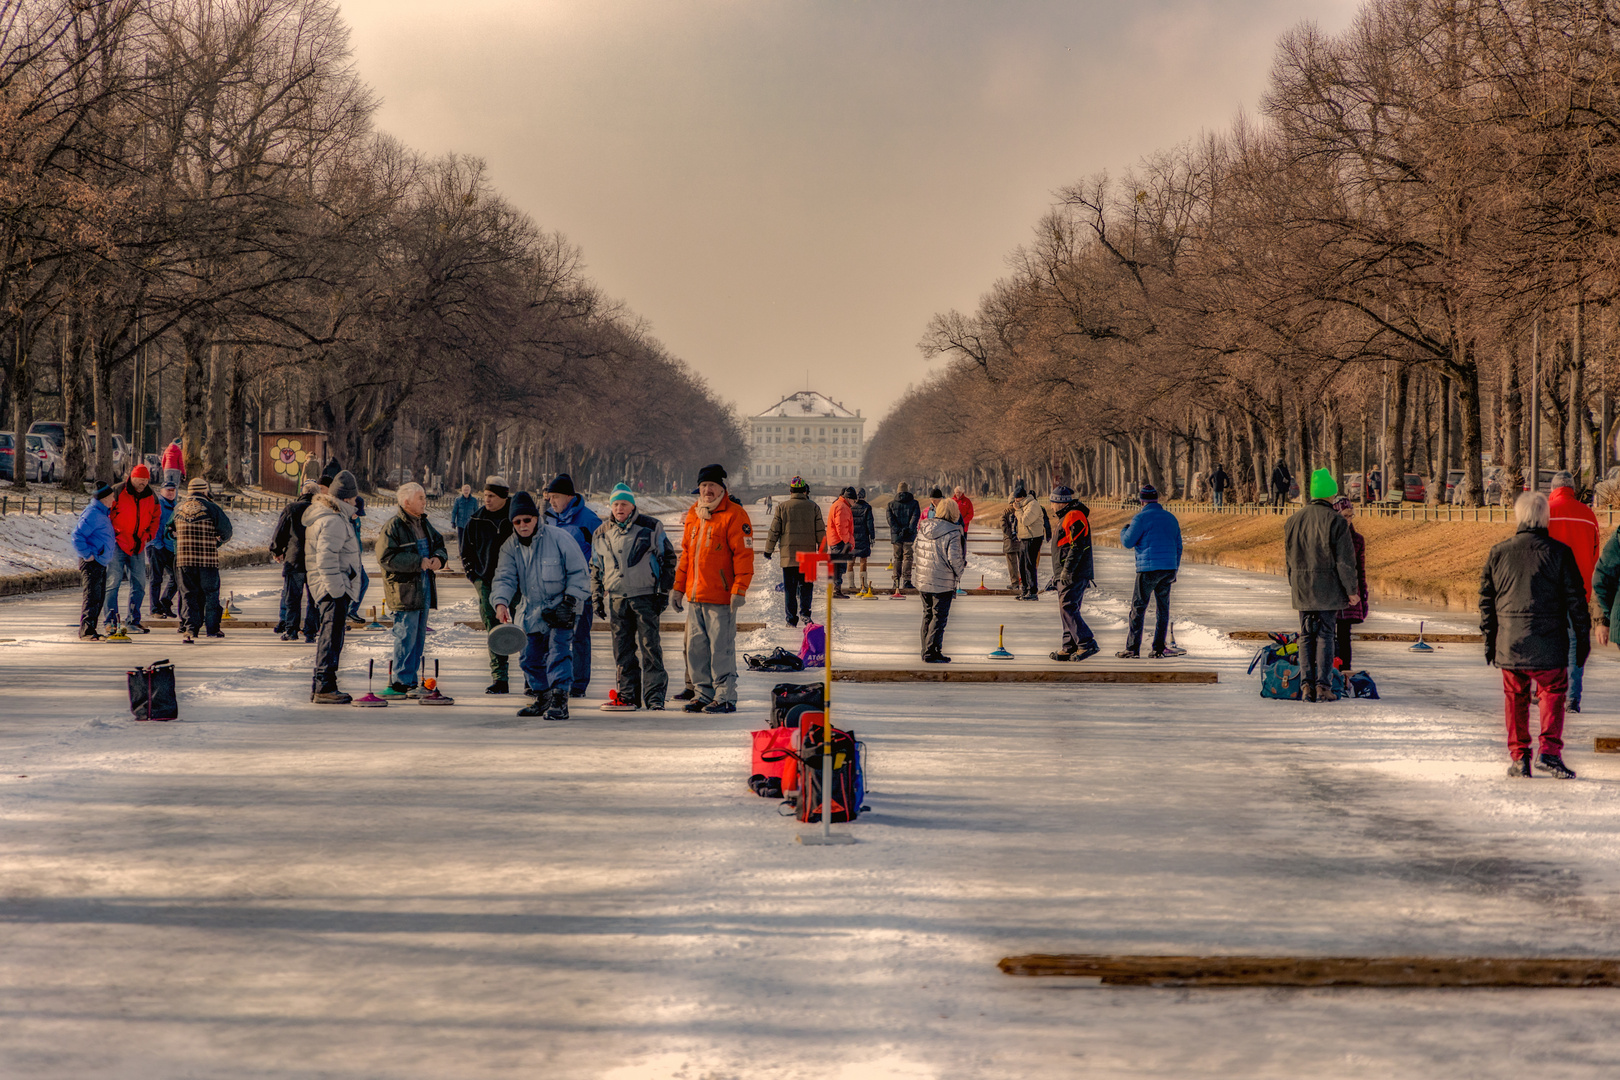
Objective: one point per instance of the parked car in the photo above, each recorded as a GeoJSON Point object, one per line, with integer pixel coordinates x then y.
{"type": "Point", "coordinates": [41, 467]}
{"type": "Point", "coordinates": [53, 432]}
{"type": "Point", "coordinates": [120, 454]}
{"type": "Point", "coordinates": [1352, 486]}
{"type": "Point", "coordinates": [1413, 489]}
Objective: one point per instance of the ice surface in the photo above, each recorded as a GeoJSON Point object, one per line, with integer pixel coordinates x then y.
{"type": "Point", "coordinates": [271, 889]}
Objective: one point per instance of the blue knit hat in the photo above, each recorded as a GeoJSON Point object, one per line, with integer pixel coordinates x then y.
{"type": "Point", "coordinates": [523, 506]}
{"type": "Point", "coordinates": [1062, 494]}
{"type": "Point", "coordinates": [1148, 493]}
{"type": "Point", "coordinates": [622, 493]}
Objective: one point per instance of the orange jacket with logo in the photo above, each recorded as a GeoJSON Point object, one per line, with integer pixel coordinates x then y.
{"type": "Point", "coordinates": [840, 523]}
{"type": "Point", "coordinates": [717, 556]}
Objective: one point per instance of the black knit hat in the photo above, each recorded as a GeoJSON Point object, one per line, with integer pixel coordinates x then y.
{"type": "Point", "coordinates": [1019, 490]}
{"type": "Point", "coordinates": [329, 473]}
{"type": "Point", "coordinates": [563, 485]}
{"type": "Point", "coordinates": [935, 493]}
{"type": "Point", "coordinates": [1148, 493]}
{"type": "Point", "coordinates": [497, 486]}
{"type": "Point", "coordinates": [104, 490]}
{"type": "Point", "coordinates": [861, 494]}
{"type": "Point", "coordinates": [847, 493]}
{"type": "Point", "coordinates": [522, 506]}
{"type": "Point", "coordinates": [712, 474]}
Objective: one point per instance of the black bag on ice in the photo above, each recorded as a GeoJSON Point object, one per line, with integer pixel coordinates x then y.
{"type": "Point", "coordinates": [786, 696]}
{"type": "Point", "coordinates": [152, 694]}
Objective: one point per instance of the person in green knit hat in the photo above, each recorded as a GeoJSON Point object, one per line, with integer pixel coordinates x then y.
{"type": "Point", "coordinates": [1322, 577]}
{"type": "Point", "coordinates": [632, 569]}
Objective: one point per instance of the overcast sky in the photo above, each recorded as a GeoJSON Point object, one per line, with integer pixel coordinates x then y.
{"type": "Point", "coordinates": [791, 186]}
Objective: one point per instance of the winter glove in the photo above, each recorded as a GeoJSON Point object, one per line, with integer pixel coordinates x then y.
{"type": "Point", "coordinates": [660, 602]}
{"type": "Point", "coordinates": [738, 600]}
{"type": "Point", "coordinates": [561, 614]}
{"type": "Point", "coordinates": [600, 608]}
{"type": "Point", "coordinates": [1490, 651]}
{"type": "Point", "coordinates": [677, 601]}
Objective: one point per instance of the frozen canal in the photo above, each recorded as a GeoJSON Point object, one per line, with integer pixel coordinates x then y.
{"type": "Point", "coordinates": [271, 889]}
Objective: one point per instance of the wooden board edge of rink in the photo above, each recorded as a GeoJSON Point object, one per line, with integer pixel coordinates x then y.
{"type": "Point", "coordinates": [1369, 635]}
{"type": "Point", "coordinates": [1606, 744]}
{"type": "Point", "coordinates": [598, 626]}
{"type": "Point", "coordinates": [1044, 675]}
{"type": "Point", "coordinates": [1307, 971]}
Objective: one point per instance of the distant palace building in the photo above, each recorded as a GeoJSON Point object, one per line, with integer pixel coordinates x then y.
{"type": "Point", "coordinates": [810, 435]}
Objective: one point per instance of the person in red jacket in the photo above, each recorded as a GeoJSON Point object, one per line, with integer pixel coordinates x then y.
{"type": "Point", "coordinates": [173, 463]}
{"type": "Point", "coordinates": [964, 504]}
{"type": "Point", "coordinates": [841, 538]}
{"type": "Point", "coordinates": [714, 571]}
{"type": "Point", "coordinates": [135, 516]}
{"type": "Point", "coordinates": [1572, 523]}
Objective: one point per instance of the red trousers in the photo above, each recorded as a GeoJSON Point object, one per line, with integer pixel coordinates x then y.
{"type": "Point", "coordinates": [1554, 684]}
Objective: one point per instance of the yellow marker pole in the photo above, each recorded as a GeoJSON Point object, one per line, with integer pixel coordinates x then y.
{"type": "Point", "coordinates": [826, 836]}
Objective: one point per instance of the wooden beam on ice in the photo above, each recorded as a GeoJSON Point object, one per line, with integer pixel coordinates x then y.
{"type": "Point", "coordinates": [1380, 971]}
{"type": "Point", "coordinates": [1373, 635]}
{"type": "Point", "coordinates": [1012, 675]}
{"type": "Point", "coordinates": [1607, 744]}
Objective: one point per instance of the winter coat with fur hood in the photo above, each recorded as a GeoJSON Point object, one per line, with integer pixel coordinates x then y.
{"type": "Point", "coordinates": [940, 556]}
{"type": "Point", "coordinates": [331, 550]}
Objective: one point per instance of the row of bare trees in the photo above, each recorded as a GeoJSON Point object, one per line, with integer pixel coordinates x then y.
{"type": "Point", "coordinates": [202, 236]}
{"type": "Point", "coordinates": [1409, 258]}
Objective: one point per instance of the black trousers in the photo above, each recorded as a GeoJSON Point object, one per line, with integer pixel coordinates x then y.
{"type": "Point", "coordinates": [199, 598]}
{"type": "Point", "coordinates": [1341, 634]}
{"type": "Point", "coordinates": [1316, 643]}
{"type": "Point", "coordinates": [638, 651]}
{"type": "Point", "coordinates": [936, 611]}
{"type": "Point", "coordinates": [1029, 562]}
{"type": "Point", "coordinates": [160, 566]}
{"type": "Point", "coordinates": [95, 594]}
{"type": "Point", "coordinates": [841, 555]}
{"type": "Point", "coordinates": [1154, 583]}
{"type": "Point", "coordinates": [799, 594]}
{"type": "Point", "coordinates": [329, 641]}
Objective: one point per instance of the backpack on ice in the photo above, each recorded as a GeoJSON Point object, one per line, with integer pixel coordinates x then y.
{"type": "Point", "coordinates": [778, 659]}
{"type": "Point", "coordinates": [785, 696]}
{"type": "Point", "coordinates": [152, 694]}
{"type": "Point", "coordinates": [814, 649]}
{"type": "Point", "coordinates": [1280, 672]}
{"type": "Point", "coordinates": [848, 775]}
{"type": "Point", "coordinates": [774, 776]}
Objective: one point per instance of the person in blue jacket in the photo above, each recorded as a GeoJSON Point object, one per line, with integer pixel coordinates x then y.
{"type": "Point", "coordinates": [566, 510]}
{"type": "Point", "coordinates": [1155, 535]}
{"type": "Point", "coordinates": [541, 564]}
{"type": "Point", "coordinates": [95, 542]}
{"type": "Point", "coordinates": [160, 556]}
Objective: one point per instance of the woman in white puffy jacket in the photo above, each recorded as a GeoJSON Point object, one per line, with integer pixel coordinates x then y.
{"type": "Point", "coordinates": [940, 560]}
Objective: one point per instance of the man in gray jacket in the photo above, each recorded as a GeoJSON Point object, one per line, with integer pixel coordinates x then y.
{"type": "Point", "coordinates": [632, 570]}
{"type": "Point", "coordinates": [1322, 577]}
{"type": "Point", "coordinates": [332, 566]}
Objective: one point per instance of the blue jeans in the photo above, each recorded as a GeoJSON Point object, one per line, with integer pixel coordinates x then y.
{"type": "Point", "coordinates": [581, 632]}
{"type": "Point", "coordinates": [365, 582]}
{"type": "Point", "coordinates": [548, 660]}
{"type": "Point", "coordinates": [134, 567]}
{"type": "Point", "coordinates": [410, 633]}
{"type": "Point", "coordinates": [1574, 671]}
{"type": "Point", "coordinates": [1220, 497]}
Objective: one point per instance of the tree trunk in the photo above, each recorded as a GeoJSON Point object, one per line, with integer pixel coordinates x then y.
{"type": "Point", "coordinates": [1395, 433]}
{"type": "Point", "coordinates": [101, 402]}
{"type": "Point", "coordinates": [22, 404]}
{"type": "Point", "coordinates": [1512, 424]}
{"type": "Point", "coordinates": [235, 420]}
{"type": "Point", "coordinates": [194, 398]}
{"type": "Point", "coordinates": [74, 393]}
{"type": "Point", "coordinates": [1472, 437]}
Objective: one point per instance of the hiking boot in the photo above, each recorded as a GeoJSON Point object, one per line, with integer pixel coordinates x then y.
{"type": "Point", "coordinates": [580, 692]}
{"type": "Point", "coordinates": [1063, 654]}
{"type": "Point", "coordinates": [89, 635]}
{"type": "Point", "coordinates": [840, 594]}
{"type": "Point", "coordinates": [331, 697]}
{"type": "Point", "coordinates": [1308, 692]}
{"type": "Point", "coordinates": [529, 691]}
{"type": "Point", "coordinates": [720, 707]}
{"type": "Point", "coordinates": [793, 622]}
{"type": "Point", "coordinates": [1128, 654]}
{"type": "Point", "coordinates": [398, 690]}
{"type": "Point", "coordinates": [686, 695]}
{"type": "Point", "coordinates": [697, 704]}
{"type": "Point", "coordinates": [1521, 765]}
{"type": "Point", "coordinates": [1087, 651]}
{"type": "Point", "coordinates": [558, 708]}
{"type": "Point", "coordinates": [499, 686]}
{"type": "Point", "coordinates": [936, 658]}
{"type": "Point", "coordinates": [216, 633]}
{"type": "Point", "coordinates": [1324, 692]}
{"type": "Point", "coordinates": [1157, 654]}
{"type": "Point", "coordinates": [1553, 764]}
{"type": "Point", "coordinates": [656, 705]}
{"type": "Point", "coordinates": [1574, 705]}
{"type": "Point", "coordinates": [289, 637]}
{"type": "Point", "coordinates": [137, 628]}
{"type": "Point", "coordinates": [533, 708]}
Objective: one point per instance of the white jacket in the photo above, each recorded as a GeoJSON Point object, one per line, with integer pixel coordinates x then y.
{"type": "Point", "coordinates": [331, 551]}
{"type": "Point", "coordinates": [940, 556]}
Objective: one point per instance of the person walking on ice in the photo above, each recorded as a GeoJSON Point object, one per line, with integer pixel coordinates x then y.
{"type": "Point", "coordinates": [409, 550]}
{"type": "Point", "coordinates": [632, 571]}
{"type": "Point", "coordinates": [715, 568]}
{"type": "Point", "coordinates": [1320, 557]}
{"type": "Point", "coordinates": [1072, 550]}
{"type": "Point", "coordinates": [542, 565]}
{"type": "Point", "coordinates": [1531, 599]}
{"type": "Point", "coordinates": [1155, 535]}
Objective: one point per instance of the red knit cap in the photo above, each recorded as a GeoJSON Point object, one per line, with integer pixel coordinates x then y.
{"type": "Point", "coordinates": [140, 472]}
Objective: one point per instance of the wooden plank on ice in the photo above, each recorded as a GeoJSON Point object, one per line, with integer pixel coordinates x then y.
{"type": "Point", "coordinates": [1607, 744]}
{"type": "Point", "coordinates": [1372, 635]}
{"type": "Point", "coordinates": [1384, 971]}
{"type": "Point", "coordinates": [598, 626]}
{"type": "Point", "coordinates": [1025, 675]}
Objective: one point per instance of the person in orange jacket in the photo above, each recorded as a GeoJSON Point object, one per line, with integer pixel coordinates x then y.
{"type": "Point", "coordinates": [1572, 523]}
{"type": "Point", "coordinates": [841, 538]}
{"type": "Point", "coordinates": [135, 518]}
{"type": "Point", "coordinates": [714, 571]}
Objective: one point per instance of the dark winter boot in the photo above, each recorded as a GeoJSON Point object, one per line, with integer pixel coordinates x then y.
{"type": "Point", "coordinates": [533, 708]}
{"type": "Point", "coordinates": [1521, 765]}
{"type": "Point", "coordinates": [1324, 692]}
{"type": "Point", "coordinates": [697, 704]}
{"type": "Point", "coordinates": [1309, 691]}
{"type": "Point", "coordinates": [686, 695]}
{"type": "Point", "coordinates": [499, 686]}
{"type": "Point", "coordinates": [1128, 654]}
{"type": "Point", "coordinates": [331, 697]}
{"type": "Point", "coordinates": [1553, 764]}
{"type": "Point", "coordinates": [1087, 651]}
{"type": "Point", "coordinates": [1063, 655]}
{"type": "Point", "coordinates": [558, 708]}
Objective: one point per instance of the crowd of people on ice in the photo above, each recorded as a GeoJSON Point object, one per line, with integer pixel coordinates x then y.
{"type": "Point", "coordinates": [554, 568]}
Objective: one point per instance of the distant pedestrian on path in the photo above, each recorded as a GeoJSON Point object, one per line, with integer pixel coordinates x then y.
{"type": "Point", "coordinates": [461, 512]}
{"type": "Point", "coordinates": [941, 561]}
{"type": "Point", "coordinates": [796, 527]}
{"type": "Point", "coordinates": [1072, 550]}
{"type": "Point", "coordinates": [1572, 523]}
{"type": "Point", "coordinates": [200, 528]}
{"type": "Point", "coordinates": [1531, 602]}
{"type": "Point", "coordinates": [1320, 557]}
{"type": "Point", "coordinates": [95, 543]}
{"type": "Point", "coordinates": [332, 563]}
{"type": "Point", "coordinates": [1355, 613]}
{"type": "Point", "coordinates": [1219, 482]}
{"type": "Point", "coordinates": [1281, 481]}
{"type": "Point", "coordinates": [300, 615]}
{"type": "Point", "coordinates": [409, 550]}
{"type": "Point", "coordinates": [173, 463]}
{"type": "Point", "coordinates": [1155, 535]}
{"type": "Point", "coordinates": [965, 505]}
